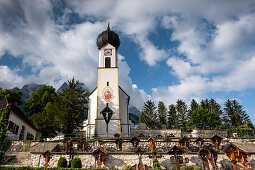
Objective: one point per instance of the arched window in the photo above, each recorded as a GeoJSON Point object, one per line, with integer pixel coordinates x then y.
{"type": "Point", "coordinates": [107, 62]}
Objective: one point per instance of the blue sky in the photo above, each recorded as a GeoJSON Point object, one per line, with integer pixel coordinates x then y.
{"type": "Point", "coordinates": [170, 49]}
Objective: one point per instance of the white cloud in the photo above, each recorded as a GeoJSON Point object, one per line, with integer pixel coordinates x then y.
{"type": "Point", "coordinates": [9, 78]}
{"type": "Point", "coordinates": [215, 42]}
{"type": "Point", "coordinates": [191, 87]}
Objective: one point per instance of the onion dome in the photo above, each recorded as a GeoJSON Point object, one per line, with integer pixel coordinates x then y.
{"type": "Point", "coordinates": [108, 36]}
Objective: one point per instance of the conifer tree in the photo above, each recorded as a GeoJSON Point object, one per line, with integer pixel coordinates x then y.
{"type": "Point", "coordinates": [162, 112]}
{"type": "Point", "coordinates": [182, 111]}
{"type": "Point", "coordinates": [173, 120]}
{"type": "Point", "coordinates": [234, 115]}
{"type": "Point", "coordinates": [73, 106]}
{"type": "Point", "coordinates": [149, 114]}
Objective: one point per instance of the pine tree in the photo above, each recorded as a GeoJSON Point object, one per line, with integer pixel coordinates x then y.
{"type": "Point", "coordinates": [234, 115]}
{"type": "Point", "coordinates": [149, 114]}
{"type": "Point", "coordinates": [181, 109]}
{"type": "Point", "coordinates": [73, 106]}
{"type": "Point", "coordinates": [193, 106]}
{"type": "Point", "coordinates": [173, 120]}
{"type": "Point", "coordinates": [162, 112]}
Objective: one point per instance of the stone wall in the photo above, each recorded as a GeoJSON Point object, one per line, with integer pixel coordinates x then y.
{"type": "Point", "coordinates": [119, 159]}
{"type": "Point", "coordinates": [122, 160]}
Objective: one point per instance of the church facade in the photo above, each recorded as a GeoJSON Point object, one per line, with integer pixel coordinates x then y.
{"type": "Point", "coordinates": [108, 102]}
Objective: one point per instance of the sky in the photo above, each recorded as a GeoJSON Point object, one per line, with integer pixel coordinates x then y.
{"type": "Point", "coordinates": [170, 49]}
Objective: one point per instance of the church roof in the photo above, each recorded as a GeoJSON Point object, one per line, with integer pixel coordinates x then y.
{"type": "Point", "coordinates": [108, 36]}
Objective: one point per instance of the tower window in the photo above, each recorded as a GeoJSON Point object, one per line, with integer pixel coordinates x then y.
{"type": "Point", "coordinates": [107, 83]}
{"type": "Point", "coordinates": [107, 62]}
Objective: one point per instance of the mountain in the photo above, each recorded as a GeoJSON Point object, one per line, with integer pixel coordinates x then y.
{"type": "Point", "coordinates": [65, 86]}
{"type": "Point", "coordinates": [27, 90]}
{"type": "Point", "coordinates": [134, 114]}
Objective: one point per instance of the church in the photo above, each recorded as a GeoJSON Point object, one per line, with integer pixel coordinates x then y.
{"type": "Point", "coordinates": [108, 102]}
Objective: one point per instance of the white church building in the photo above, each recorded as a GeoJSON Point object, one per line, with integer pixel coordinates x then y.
{"type": "Point", "coordinates": [108, 102]}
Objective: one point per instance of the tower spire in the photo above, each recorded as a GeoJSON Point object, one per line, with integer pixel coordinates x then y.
{"type": "Point", "coordinates": [108, 23]}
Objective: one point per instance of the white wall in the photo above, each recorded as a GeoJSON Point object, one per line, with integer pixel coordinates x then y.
{"type": "Point", "coordinates": [101, 60]}
{"type": "Point", "coordinates": [18, 121]}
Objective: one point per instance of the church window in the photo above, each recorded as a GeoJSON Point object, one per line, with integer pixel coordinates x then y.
{"type": "Point", "coordinates": [107, 62]}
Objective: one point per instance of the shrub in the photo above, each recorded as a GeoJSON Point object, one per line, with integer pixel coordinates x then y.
{"type": "Point", "coordinates": [157, 166]}
{"type": "Point", "coordinates": [1, 155]}
{"type": "Point", "coordinates": [191, 168]}
{"type": "Point", "coordinates": [184, 168]}
{"type": "Point", "coordinates": [76, 163]}
{"type": "Point", "coordinates": [62, 162]}
{"type": "Point", "coordinates": [197, 168]}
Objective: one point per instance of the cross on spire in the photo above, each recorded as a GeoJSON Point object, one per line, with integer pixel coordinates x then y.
{"type": "Point", "coordinates": [109, 21]}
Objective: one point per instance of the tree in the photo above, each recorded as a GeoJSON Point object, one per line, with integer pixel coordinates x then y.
{"type": "Point", "coordinates": [46, 122]}
{"type": "Point", "coordinates": [202, 118]}
{"type": "Point", "coordinates": [162, 112]}
{"type": "Point", "coordinates": [73, 106]}
{"type": "Point", "coordinates": [149, 114]}
{"type": "Point", "coordinates": [43, 107]}
{"type": "Point", "coordinates": [181, 109]}
{"type": "Point", "coordinates": [193, 106]}
{"type": "Point", "coordinates": [13, 96]}
{"type": "Point", "coordinates": [39, 99]}
{"type": "Point", "coordinates": [4, 142]}
{"type": "Point", "coordinates": [234, 115]}
{"type": "Point", "coordinates": [173, 120]}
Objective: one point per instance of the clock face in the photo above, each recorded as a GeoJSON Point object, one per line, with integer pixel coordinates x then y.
{"type": "Point", "coordinates": [108, 52]}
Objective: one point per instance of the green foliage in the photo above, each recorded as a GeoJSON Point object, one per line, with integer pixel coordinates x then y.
{"type": "Point", "coordinates": [13, 96]}
{"type": "Point", "coordinates": [162, 112]}
{"type": "Point", "coordinates": [43, 108]}
{"type": "Point", "coordinates": [184, 168]}
{"type": "Point", "coordinates": [39, 99]}
{"type": "Point", "coordinates": [156, 166]}
{"type": "Point", "coordinates": [202, 118]}
{"type": "Point", "coordinates": [241, 131]}
{"type": "Point", "coordinates": [149, 114]}
{"type": "Point", "coordinates": [46, 121]}
{"type": "Point", "coordinates": [62, 162]}
{"type": "Point", "coordinates": [73, 100]}
{"type": "Point", "coordinates": [76, 163]}
{"type": "Point", "coordinates": [181, 109]}
{"type": "Point", "coordinates": [1, 155]}
{"type": "Point", "coordinates": [173, 120]}
{"type": "Point", "coordinates": [27, 145]}
{"type": "Point", "coordinates": [234, 115]}
{"type": "Point", "coordinates": [207, 114]}
{"type": "Point", "coordinates": [197, 168]}
{"type": "Point", "coordinates": [4, 116]}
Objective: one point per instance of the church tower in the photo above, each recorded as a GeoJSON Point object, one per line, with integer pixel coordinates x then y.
{"type": "Point", "coordinates": [108, 103]}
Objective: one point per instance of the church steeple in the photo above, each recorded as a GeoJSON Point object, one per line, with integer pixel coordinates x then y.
{"type": "Point", "coordinates": [108, 43]}
{"type": "Point", "coordinates": [108, 36]}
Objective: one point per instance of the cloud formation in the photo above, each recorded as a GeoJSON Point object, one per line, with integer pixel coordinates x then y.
{"type": "Point", "coordinates": [215, 48]}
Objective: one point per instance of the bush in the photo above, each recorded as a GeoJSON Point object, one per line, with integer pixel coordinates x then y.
{"type": "Point", "coordinates": [76, 163]}
{"type": "Point", "coordinates": [157, 166]}
{"type": "Point", "coordinates": [191, 168]}
{"type": "Point", "coordinates": [197, 168]}
{"type": "Point", "coordinates": [1, 155]}
{"type": "Point", "coordinates": [184, 168]}
{"type": "Point", "coordinates": [62, 162]}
